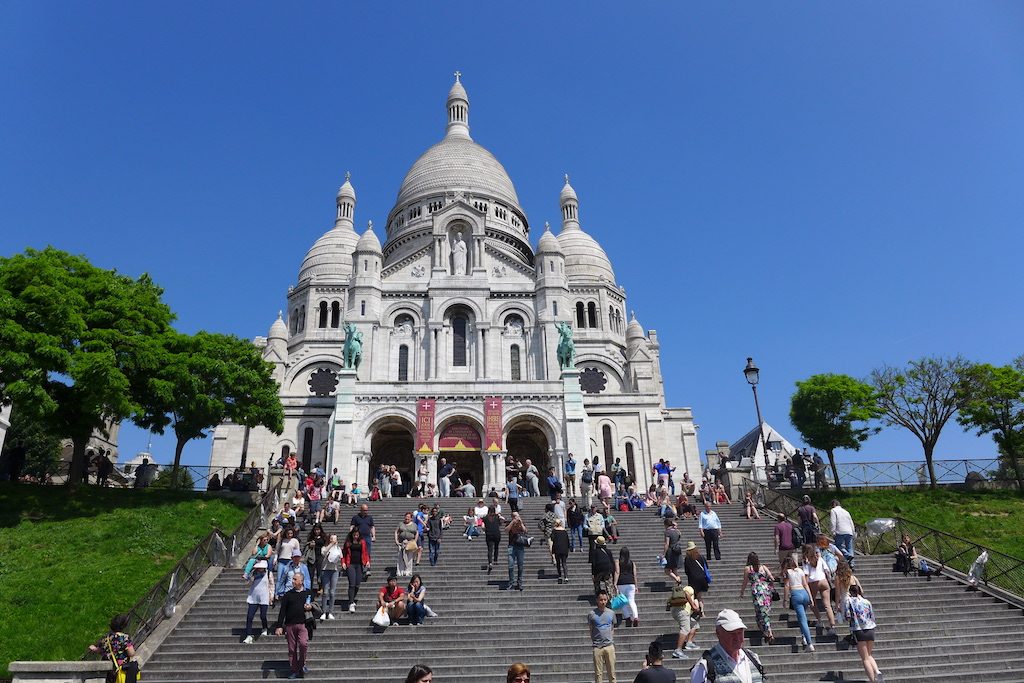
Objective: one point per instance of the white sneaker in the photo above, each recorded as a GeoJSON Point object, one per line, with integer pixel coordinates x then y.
{"type": "Point", "coordinates": [263, 633]}
{"type": "Point", "coordinates": [323, 617]}
{"type": "Point", "coordinates": [692, 646]}
{"type": "Point", "coordinates": [330, 616]}
{"type": "Point", "coordinates": [248, 640]}
{"type": "Point", "coordinates": [352, 607]}
{"type": "Point", "coordinates": [679, 654]}
{"type": "Point", "coordinates": [810, 647]}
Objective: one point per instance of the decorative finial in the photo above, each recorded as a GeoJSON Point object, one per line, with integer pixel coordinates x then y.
{"type": "Point", "coordinates": [348, 176]}
{"type": "Point", "coordinates": [458, 75]}
{"type": "Point", "coordinates": [547, 226]}
{"type": "Point", "coordinates": [566, 178]}
{"type": "Point", "coordinates": [369, 225]}
{"type": "Point", "coordinates": [632, 314]}
{"type": "Point", "coordinates": [280, 315]}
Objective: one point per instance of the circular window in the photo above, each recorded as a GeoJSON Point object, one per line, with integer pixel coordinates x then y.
{"type": "Point", "coordinates": [323, 382]}
{"type": "Point", "coordinates": [593, 380]}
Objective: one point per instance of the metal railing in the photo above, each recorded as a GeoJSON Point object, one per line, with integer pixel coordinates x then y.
{"type": "Point", "coordinates": [215, 550]}
{"type": "Point", "coordinates": [156, 475]}
{"type": "Point", "coordinates": [946, 550]}
{"type": "Point", "coordinates": [900, 473]}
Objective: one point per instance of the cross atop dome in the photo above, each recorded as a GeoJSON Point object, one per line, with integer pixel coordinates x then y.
{"type": "Point", "coordinates": [458, 75]}
{"type": "Point", "coordinates": [458, 109]}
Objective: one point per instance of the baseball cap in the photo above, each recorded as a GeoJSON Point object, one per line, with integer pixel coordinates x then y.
{"type": "Point", "coordinates": [729, 620]}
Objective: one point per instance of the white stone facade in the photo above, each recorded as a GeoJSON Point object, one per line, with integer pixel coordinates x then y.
{"type": "Point", "coordinates": [457, 306]}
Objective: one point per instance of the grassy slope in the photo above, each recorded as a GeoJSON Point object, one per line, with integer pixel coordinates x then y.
{"type": "Point", "coordinates": [991, 518]}
{"type": "Point", "coordinates": [72, 558]}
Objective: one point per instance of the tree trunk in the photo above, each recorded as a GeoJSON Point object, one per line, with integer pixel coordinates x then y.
{"type": "Point", "coordinates": [835, 470]}
{"type": "Point", "coordinates": [178, 448]}
{"type": "Point", "coordinates": [78, 462]}
{"type": "Point", "coordinates": [928, 458]}
{"type": "Point", "coordinates": [1015, 461]}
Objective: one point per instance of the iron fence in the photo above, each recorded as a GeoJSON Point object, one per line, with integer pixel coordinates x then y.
{"type": "Point", "coordinates": [156, 475]}
{"type": "Point", "coordinates": [215, 550]}
{"type": "Point", "coordinates": [947, 551]}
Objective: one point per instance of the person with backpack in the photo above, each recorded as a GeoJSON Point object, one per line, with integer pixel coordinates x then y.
{"type": "Point", "coordinates": [602, 566]}
{"type": "Point", "coordinates": [673, 550]}
{"type": "Point", "coordinates": [696, 569]}
{"type": "Point", "coordinates": [808, 520]}
{"type": "Point", "coordinates": [728, 660]}
{"type": "Point", "coordinates": [787, 539]}
{"type": "Point", "coordinates": [685, 609]}
{"type": "Point", "coordinates": [575, 520]}
{"type": "Point", "coordinates": [586, 482]}
{"type": "Point", "coordinates": [595, 528]}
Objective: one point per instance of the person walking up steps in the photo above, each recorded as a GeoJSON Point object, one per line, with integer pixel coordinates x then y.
{"type": "Point", "coordinates": [861, 618]}
{"type": "Point", "coordinates": [673, 552]}
{"type": "Point", "coordinates": [602, 623]}
{"type": "Point", "coordinates": [728, 660]}
{"type": "Point", "coordinates": [798, 595]}
{"type": "Point", "coordinates": [492, 535]}
{"type": "Point", "coordinates": [761, 583]}
{"type": "Point", "coordinates": [517, 543]}
{"type": "Point", "coordinates": [685, 611]}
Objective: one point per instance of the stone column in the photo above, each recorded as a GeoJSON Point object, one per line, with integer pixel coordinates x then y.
{"type": "Point", "coordinates": [340, 431]}
{"type": "Point", "coordinates": [577, 437]}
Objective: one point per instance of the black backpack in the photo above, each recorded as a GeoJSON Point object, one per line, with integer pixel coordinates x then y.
{"type": "Point", "coordinates": [587, 477]}
{"type": "Point", "coordinates": [603, 562]}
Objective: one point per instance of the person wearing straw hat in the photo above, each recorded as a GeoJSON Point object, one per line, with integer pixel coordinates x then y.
{"type": "Point", "coordinates": [728, 661]}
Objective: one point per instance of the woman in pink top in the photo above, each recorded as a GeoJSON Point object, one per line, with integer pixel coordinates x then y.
{"type": "Point", "coordinates": [604, 488]}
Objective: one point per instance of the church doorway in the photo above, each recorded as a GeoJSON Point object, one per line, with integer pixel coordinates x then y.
{"type": "Point", "coordinates": [527, 441]}
{"type": "Point", "coordinates": [392, 444]}
{"type": "Point", "coordinates": [460, 444]}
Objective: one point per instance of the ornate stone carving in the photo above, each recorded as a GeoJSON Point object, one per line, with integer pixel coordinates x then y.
{"type": "Point", "coordinates": [593, 380]}
{"type": "Point", "coordinates": [459, 250]}
{"type": "Point", "coordinates": [322, 382]}
{"type": "Point", "coordinates": [499, 271]}
{"type": "Point", "coordinates": [418, 271]}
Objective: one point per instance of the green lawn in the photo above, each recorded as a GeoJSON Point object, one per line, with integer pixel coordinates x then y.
{"type": "Point", "coordinates": [991, 518]}
{"type": "Point", "coordinates": [73, 557]}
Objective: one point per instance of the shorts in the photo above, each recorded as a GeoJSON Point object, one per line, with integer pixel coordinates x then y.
{"type": "Point", "coordinates": [867, 635]}
{"type": "Point", "coordinates": [682, 617]}
{"type": "Point", "coordinates": [783, 554]}
{"type": "Point", "coordinates": [314, 506]}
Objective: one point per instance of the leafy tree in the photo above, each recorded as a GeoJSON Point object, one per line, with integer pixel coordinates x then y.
{"type": "Point", "coordinates": [993, 403]}
{"type": "Point", "coordinates": [29, 448]}
{"type": "Point", "coordinates": [921, 398]}
{"type": "Point", "coordinates": [174, 479]}
{"type": "Point", "coordinates": [827, 409]}
{"type": "Point", "coordinates": [204, 379]}
{"type": "Point", "coordinates": [76, 342]}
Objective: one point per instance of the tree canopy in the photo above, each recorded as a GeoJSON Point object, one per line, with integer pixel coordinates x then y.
{"type": "Point", "coordinates": [921, 398]}
{"type": "Point", "coordinates": [832, 411]}
{"type": "Point", "coordinates": [993, 403]}
{"type": "Point", "coordinates": [204, 379]}
{"type": "Point", "coordinates": [77, 342]}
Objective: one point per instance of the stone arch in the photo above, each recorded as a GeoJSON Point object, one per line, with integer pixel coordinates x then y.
{"type": "Point", "coordinates": [529, 437]}
{"type": "Point", "coordinates": [295, 380]}
{"type": "Point", "coordinates": [392, 312]}
{"type": "Point", "coordinates": [616, 379]}
{"type": "Point", "coordinates": [390, 440]}
{"type": "Point", "coordinates": [503, 311]}
{"type": "Point", "coordinates": [469, 465]}
{"type": "Point", "coordinates": [455, 301]}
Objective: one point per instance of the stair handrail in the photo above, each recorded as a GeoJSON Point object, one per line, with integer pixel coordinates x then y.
{"type": "Point", "coordinates": [1002, 576]}
{"type": "Point", "coordinates": [216, 549]}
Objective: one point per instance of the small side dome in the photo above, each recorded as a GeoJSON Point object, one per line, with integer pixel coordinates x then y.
{"type": "Point", "coordinates": [567, 191]}
{"type": "Point", "coordinates": [330, 257]}
{"type": "Point", "coordinates": [278, 330]}
{"type": "Point", "coordinates": [549, 243]}
{"type": "Point", "coordinates": [634, 330]}
{"type": "Point", "coordinates": [368, 243]}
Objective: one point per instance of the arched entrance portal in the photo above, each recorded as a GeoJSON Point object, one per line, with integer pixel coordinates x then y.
{"type": "Point", "coordinates": [459, 444]}
{"type": "Point", "coordinates": [527, 441]}
{"type": "Point", "coordinates": [392, 444]}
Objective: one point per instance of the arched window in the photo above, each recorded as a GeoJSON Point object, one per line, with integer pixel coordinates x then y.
{"type": "Point", "coordinates": [403, 363]}
{"type": "Point", "coordinates": [285, 451]}
{"type": "Point", "coordinates": [554, 308]}
{"type": "Point", "coordinates": [362, 308]}
{"type": "Point", "coordinates": [459, 341]}
{"type": "Point", "coordinates": [335, 314]}
{"type": "Point", "coordinates": [611, 318]}
{"type": "Point", "coordinates": [307, 448]}
{"type": "Point", "coordinates": [295, 321]}
{"type": "Point", "coordinates": [630, 460]}
{"type": "Point", "coordinates": [302, 318]}
{"type": "Point", "coordinates": [581, 316]}
{"type": "Point", "coordinates": [606, 434]}
{"type": "Point", "coordinates": [322, 321]}
{"type": "Point", "coordinates": [513, 363]}
{"type": "Point", "coordinates": [592, 314]}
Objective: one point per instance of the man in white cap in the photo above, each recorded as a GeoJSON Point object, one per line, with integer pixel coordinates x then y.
{"type": "Point", "coordinates": [728, 661]}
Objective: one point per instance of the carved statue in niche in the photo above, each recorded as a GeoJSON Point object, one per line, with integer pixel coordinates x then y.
{"type": "Point", "coordinates": [459, 255]}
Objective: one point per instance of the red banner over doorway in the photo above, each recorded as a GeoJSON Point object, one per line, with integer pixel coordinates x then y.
{"type": "Point", "coordinates": [459, 437]}
{"type": "Point", "coordinates": [492, 424]}
{"type": "Point", "coordinates": [425, 426]}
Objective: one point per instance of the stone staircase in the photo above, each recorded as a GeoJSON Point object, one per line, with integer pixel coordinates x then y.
{"type": "Point", "coordinates": [927, 630]}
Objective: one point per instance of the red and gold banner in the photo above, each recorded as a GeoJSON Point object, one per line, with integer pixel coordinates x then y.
{"type": "Point", "coordinates": [492, 424]}
{"type": "Point", "coordinates": [425, 426]}
{"type": "Point", "coordinates": [459, 437]}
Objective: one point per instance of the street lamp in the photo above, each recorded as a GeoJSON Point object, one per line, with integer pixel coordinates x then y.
{"type": "Point", "coordinates": [753, 376]}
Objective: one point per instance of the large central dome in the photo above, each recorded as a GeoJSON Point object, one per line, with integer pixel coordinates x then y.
{"type": "Point", "coordinates": [457, 163]}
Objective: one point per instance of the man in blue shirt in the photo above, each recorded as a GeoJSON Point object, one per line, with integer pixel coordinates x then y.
{"type": "Point", "coordinates": [602, 622]}
{"type": "Point", "coordinates": [570, 476]}
{"type": "Point", "coordinates": [710, 530]}
{"type": "Point", "coordinates": [285, 572]}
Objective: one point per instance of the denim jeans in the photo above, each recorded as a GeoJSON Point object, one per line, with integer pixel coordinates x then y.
{"type": "Point", "coordinates": [845, 543]}
{"type": "Point", "coordinates": [576, 537]}
{"type": "Point", "coordinates": [435, 550]}
{"type": "Point", "coordinates": [330, 579]}
{"type": "Point", "coordinates": [251, 613]}
{"type": "Point", "coordinates": [799, 600]}
{"type": "Point", "coordinates": [516, 558]}
{"type": "Point", "coordinates": [416, 611]}
{"type": "Point", "coordinates": [471, 531]}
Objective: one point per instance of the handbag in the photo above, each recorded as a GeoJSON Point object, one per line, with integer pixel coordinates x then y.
{"type": "Point", "coordinates": [522, 540]}
{"type": "Point", "coordinates": [618, 602]}
{"type": "Point", "coordinates": [119, 673]}
{"type": "Point", "coordinates": [775, 595]}
{"type": "Point", "coordinates": [707, 572]}
{"type": "Point", "coordinates": [411, 547]}
{"type": "Point", "coordinates": [381, 618]}
{"type": "Point", "coordinates": [317, 610]}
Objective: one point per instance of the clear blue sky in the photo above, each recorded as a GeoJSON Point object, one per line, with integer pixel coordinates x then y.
{"type": "Point", "coordinates": [823, 186]}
